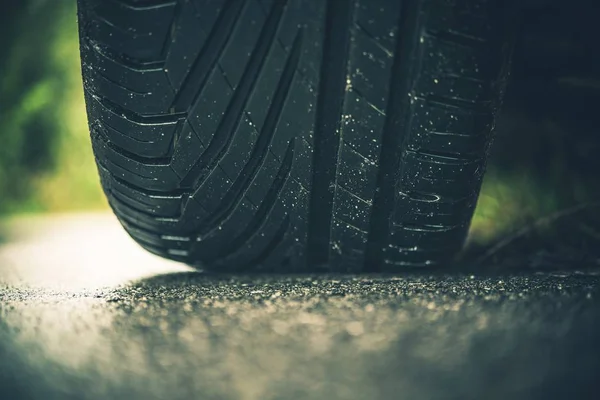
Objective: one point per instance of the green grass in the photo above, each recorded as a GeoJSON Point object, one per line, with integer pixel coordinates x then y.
{"type": "Point", "coordinates": [509, 200]}
{"type": "Point", "coordinates": [46, 163]}
{"type": "Point", "coordinates": [73, 183]}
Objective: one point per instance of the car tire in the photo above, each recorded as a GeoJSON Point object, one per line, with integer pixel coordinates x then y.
{"type": "Point", "coordinates": [294, 135]}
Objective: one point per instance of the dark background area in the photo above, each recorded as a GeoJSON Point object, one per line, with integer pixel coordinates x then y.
{"type": "Point", "coordinates": [550, 117]}
{"type": "Point", "coordinates": [547, 146]}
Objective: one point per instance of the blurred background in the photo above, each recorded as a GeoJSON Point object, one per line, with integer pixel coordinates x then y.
{"type": "Point", "coordinates": [544, 161]}
{"type": "Point", "coordinates": [46, 163]}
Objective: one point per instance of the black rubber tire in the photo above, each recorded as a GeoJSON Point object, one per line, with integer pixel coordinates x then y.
{"type": "Point", "coordinates": [274, 135]}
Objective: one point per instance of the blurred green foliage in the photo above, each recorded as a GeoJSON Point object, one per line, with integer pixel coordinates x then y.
{"type": "Point", "coordinates": [46, 163]}
{"type": "Point", "coordinates": [45, 156]}
{"type": "Point", "coordinates": [545, 158]}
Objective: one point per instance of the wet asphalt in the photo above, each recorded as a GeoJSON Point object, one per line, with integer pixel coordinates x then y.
{"type": "Point", "coordinates": [85, 314]}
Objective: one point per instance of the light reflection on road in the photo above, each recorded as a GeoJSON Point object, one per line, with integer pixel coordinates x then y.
{"type": "Point", "coordinates": [74, 252]}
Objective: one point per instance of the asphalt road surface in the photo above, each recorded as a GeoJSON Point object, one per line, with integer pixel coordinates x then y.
{"type": "Point", "coordinates": [85, 314]}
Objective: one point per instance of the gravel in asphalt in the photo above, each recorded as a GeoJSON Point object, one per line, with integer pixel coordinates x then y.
{"type": "Point", "coordinates": [85, 314]}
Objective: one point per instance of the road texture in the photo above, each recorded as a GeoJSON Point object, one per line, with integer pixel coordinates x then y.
{"type": "Point", "coordinates": [85, 314]}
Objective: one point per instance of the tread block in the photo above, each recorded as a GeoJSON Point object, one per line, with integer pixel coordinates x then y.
{"type": "Point", "coordinates": [427, 236]}
{"type": "Point", "coordinates": [362, 127]}
{"type": "Point", "coordinates": [136, 33]}
{"type": "Point", "coordinates": [188, 148]}
{"type": "Point", "coordinates": [246, 35]}
{"type": "Point", "coordinates": [188, 38]}
{"type": "Point", "coordinates": [207, 113]}
{"type": "Point", "coordinates": [136, 78]}
{"type": "Point", "coordinates": [356, 173]}
{"type": "Point", "coordinates": [145, 102]}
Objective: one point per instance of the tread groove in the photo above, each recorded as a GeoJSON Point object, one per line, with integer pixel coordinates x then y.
{"type": "Point", "coordinates": [332, 86]}
{"type": "Point", "coordinates": [358, 153]}
{"type": "Point", "coordinates": [165, 48]}
{"type": "Point", "coordinates": [351, 226]}
{"type": "Point", "coordinates": [132, 220]}
{"type": "Point", "coordinates": [426, 227]}
{"type": "Point", "coordinates": [146, 192]}
{"type": "Point", "coordinates": [268, 203]}
{"type": "Point", "coordinates": [147, 5]}
{"type": "Point", "coordinates": [116, 84]}
{"type": "Point", "coordinates": [364, 98]}
{"type": "Point", "coordinates": [126, 61]}
{"type": "Point", "coordinates": [121, 112]}
{"type": "Point", "coordinates": [345, 189]}
{"type": "Point", "coordinates": [396, 125]}
{"type": "Point", "coordinates": [205, 62]}
{"type": "Point", "coordinates": [236, 193]}
{"type": "Point", "coordinates": [448, 156]}
{"type": "Point", "coordinates": [454, 102]}
{"type": "Point", "coordinates": [458, 38]}
{"type": "Point", "coordinates": [134, 204]}
{"type": "Point", "coordinates": [377, 43]}
{"type": "Point", "coordinates": [104, 127]}
{"type": "Point", "coordinates": [147, 161]}
{"type": "Point", "coordinates": [219, 144]}
{"type": "Point", "coordinates": [279, 237]}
